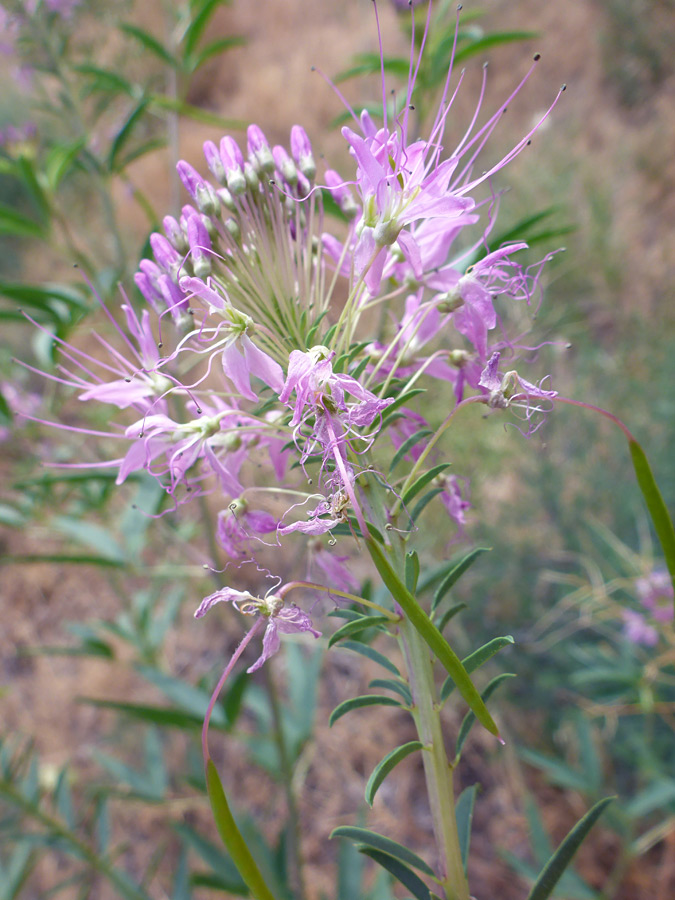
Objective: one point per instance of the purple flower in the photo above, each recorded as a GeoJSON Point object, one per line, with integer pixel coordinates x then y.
{"type": "Point", "coordinates": [636, 629]}
{"type": "Point", "coordinates": [281, 618]}
{"type": "Point", "coordinates": [238, 526]}
{"type": "Point", "coordinates": [655, 592]}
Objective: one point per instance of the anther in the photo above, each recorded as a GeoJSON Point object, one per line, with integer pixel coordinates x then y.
{"type": "Point", "coordinates": [128, 380]}
{"type": "Point", "coordinates": [159, 345]}
{"type": "Point", "coordinates": [411, 107]}
{"type": "Point", "coordinates": [529, 142]}
{"type": "Point", "coordinates": [563, 88]}
{"type": "Point", "coordinates": [199, 411]}
{"type": "Point", "coordinates": [537, 57]}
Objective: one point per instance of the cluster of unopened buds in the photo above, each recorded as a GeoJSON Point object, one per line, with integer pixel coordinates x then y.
{"type": "Point", "coordinates": [280, 357]}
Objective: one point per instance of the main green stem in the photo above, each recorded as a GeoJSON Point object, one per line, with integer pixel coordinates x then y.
{"type": "Point", "coordinates": [437, 769]}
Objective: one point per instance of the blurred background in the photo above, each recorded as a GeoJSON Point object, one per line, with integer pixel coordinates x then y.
{"type": "Point", "coordinates": [104, 675]}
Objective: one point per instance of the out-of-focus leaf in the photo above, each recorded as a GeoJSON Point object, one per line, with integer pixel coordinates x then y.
{"type": "Point", "coordinates": [198, 25]}
{"type": "Point", "coordinates": [194, 112]}
{"type": "Point", "coordinates": [663, 524]}
{"type": "Point", "coordinates": [232, 837]}
{"type": "Point", "coordinates": [553, 870]}
{"type": "Point", "coordinates": [124, 133]}
{"type": "Point", "coordinates": [214, 48]}
{"type": "Point", "coordinates": [151, 44]}
{"type": "Point", "coordinates": [60, 160]}
{"type": "Point", "coordinates": [42, 207]}
{"type": "Point", "coordinates": [15, 223]}
{"type": "Point", "coordinates": [470, 717]}
{"type": "Point", "coordinates": [357, 626]}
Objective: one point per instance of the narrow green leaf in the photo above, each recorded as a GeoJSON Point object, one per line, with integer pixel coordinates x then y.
{"type": "Point", "coordinates": [359, 703]}
{"type": "Point", "coordinates": [556, 771]}
{"type": "Point", "coordinates": [384, 844]}
{"type": "Point", "coordinates": [450, 614]}
{"type": "Point", "coordinates": [195, 113]}
{"type": "Point", "coordinates": [40, 201]}
{"type": "Point", "coordinates": [150, 43]}
{"type": "Point", "coordinates": [15, 223]}
{"type": "Point", "coordinates": [197, 26]}
{"type": "Point", "coordinates": [423, 481]}
{"type": "Point", "coordinates": [554, 868]}
{"type": "Point", "coordinates": [407, 446]}
{"type": "Point", "coordinates": [356, 626]}
{"type": "Point", "coordinates": [663, 524]}
{"type": "Point", "coordinates": [432, 636]}
{"type": "Point", "coordinates": [106, 80]}
{"type": "Point", "coordinates": [215, 48]}
{"type": "Point", "coordinates": [63, 799]}
{"type": "Point", "coordinates": [476, 659]}
{"type": "Point", "coordinates": [412, 570]}
{"type": "Point", "coordinates": [464, 816]}
{"type": "Point", "coordinates": [213, 856]}
{"type": "Point", "coordinates": [60, 161]}
{"type": "Point", "coordinates": [398, 687]}
{"type": "Point", "coordinates": [470, 717]}
{"type": "Point", "coordinates": [400, 401]}
{"type": "Point", "coordinates": [455, 574]}
{"type": "Point", "coordinates": [375, 655]}
{"type": "Point", "coordinates": [232, 838]}
{"type": "Point", "coordinates": [384, 767]}
{"type": "Point", "coordinates": [402, 873]}
{"type": "Point", "coordinates": [492, 40]}
{"type": "Point", "coordinates": [164, 716]}
{"type": "Point", "coordinates": [125, 132]}
{"type": "Point", "coordinates": [423, 502]}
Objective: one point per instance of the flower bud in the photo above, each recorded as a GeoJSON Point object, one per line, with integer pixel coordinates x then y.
{"type": "Point", "coordinates": [285, 165]}
{"type": "Point", "coordinates": [166, 256]}
{"type": "Point", "coordinates": [200, 246]}
{"type": "Point", "coordinates": [259, 152]}
{"type": "Point", "coordinates": [341, 193]}
{"type": "Point", "coordinates": [233, 162]}
{"type": "Point", "coordinates": [301, 149]}
{"type": "Point", "coordinates": [175, 234]}
{"type": "Point", "coordinates": [190, 177]}
{"type": "Point", "coordinates": [214, 162]}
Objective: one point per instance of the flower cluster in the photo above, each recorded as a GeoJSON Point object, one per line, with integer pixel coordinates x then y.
{"type": "Point", "coordinates": [257, 352]}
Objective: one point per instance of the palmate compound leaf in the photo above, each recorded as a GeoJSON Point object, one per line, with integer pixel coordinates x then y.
{"type": "Point", "coordinates": [367, 838]}
{"type": "Point", "coordinates": [555, 867]}
{"type": "Point", "coordinates": [384, 767]}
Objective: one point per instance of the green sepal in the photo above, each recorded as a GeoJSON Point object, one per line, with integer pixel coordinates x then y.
{"type": "Point", "coordinates": [432, 637]}
{"type": "Point", "coordinates": [384, 845]}
{"type": "Point", "coordinates": [358, 703]}
{"type": "Point", "coordinates": [384, 767]}
{"type": "Point", "coordinates": [663, 524]}
{"type": "Point", "coordinates": [455, 574]}
{"type": "Point", "coordinates": [232, 837]}
{"type": "Point", "coordinates": [554, 868]}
